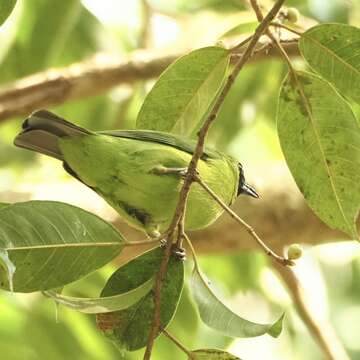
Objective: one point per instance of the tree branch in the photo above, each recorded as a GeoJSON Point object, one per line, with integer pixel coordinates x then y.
{"type": "Point", "coordinates": [79, 80]}
{"type": "Point", "coordinates": [191, 172]}
{"type": "Point", "coordinates": [92, 77]}
{"type": "Point", "coordinates": [319, 327]}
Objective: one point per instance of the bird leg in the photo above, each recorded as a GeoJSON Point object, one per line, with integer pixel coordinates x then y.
{"type": "Point", "coordinates": [179, 252]}
{"type": "Point", "coordinates": [177, 249]}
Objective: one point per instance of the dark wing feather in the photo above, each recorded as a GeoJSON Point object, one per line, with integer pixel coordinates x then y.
{"type": "Point", "coordinates": [186, 145]}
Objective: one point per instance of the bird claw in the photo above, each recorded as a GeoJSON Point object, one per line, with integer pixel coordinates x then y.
{"type": "Point", "coordinates": [163, 242]}
{"type": "Point", "coordinates": [179, 253]}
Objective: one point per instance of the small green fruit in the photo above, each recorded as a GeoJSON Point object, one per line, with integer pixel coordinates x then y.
{"type": "Point", "coordinates": [293, 15]}
{"type": "Point", "coordinates": [294, 252]}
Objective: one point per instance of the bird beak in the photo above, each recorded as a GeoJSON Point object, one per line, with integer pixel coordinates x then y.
{"type": "Point", "coordinates": [249, 190]}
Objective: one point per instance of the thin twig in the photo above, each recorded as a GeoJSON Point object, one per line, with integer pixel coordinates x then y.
{"type": "Point", "coordinates": [142, 242]}
{"type": "Point", "coordinates": [273, 38]}
{"type": "Point", "coordinates": [144, 35]}
{"type": "Point", "coordinates": [184, 192]}
{"type": "Point", "coordinates": [328, 339]}
{"type": "Point", "coordinates": [249, 229]}
{"type": "Point", "coordinates": [193, 252]}
{"type": "Point", "coordinates": [288, 28]}
{"type": "Point", "coordinates": [155, 326]}
{"type": "Point", "coordinates": [236, 48]}
{"type": "Point", "coordinates": [177, 343]}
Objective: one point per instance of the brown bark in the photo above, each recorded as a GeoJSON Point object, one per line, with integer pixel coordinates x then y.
{"type": "Point", "coordinates": [90, 77]}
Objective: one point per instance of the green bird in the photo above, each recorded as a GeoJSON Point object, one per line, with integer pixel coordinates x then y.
{"type": "Point", "coordinates": [138, 172]}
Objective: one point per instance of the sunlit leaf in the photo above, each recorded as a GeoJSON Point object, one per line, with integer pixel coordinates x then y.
{"type": "Point", "coordinates": [6, 7]}
{"type": "Point", "coordinates": [129, 328]}
{"type": "Point", "coordinates": [47, 28]}
{"type": "Point", "coordinates": [218, 316]}
{"type": "Point", "coordinates": [103, 304]}
{"type": "Point", "coordinates": [333, 51]}
{"type": "Point", "coordinates": [212, 354]}
{"type": "Point", "coordinates": [243, 28]}
{"type": "Point", "coordinates": [50, 244]}
{"type": "Point", "coordinates": [320, 138]}
{"type": "Point", "coordinates": [183, 93]}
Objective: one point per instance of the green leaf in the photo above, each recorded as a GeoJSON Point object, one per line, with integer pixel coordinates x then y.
{"type": "Point", "coordinates": [103, 304]}
{"type": "Point", "coordinates": [241, 29]}
{"type": "Point", "coordinates": [6, 7]}
{"type": "Point", "coordinates": [333, 51]}
{"type": "Point", "coordinates": [129, 329]}
{"type": "Point", "coordinates": [51, 244]}
{"type": "Point", "coordinates": [48, 31]}
{"type": "Point", "coordinates": [183, 93]}
{"type": "Point", "coordinates": [2, 205]}
{"type": "Point", "coordinates": [216, 315]}
{"type": "Point", "coordinates": [212, 354]}
{"type": "Point", "coordinates": [320, 138]}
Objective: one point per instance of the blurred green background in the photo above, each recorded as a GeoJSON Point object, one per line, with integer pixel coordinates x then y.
{"type": "Point", "coordinates": [41, 34]}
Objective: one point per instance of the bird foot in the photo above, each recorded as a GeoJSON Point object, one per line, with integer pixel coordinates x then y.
{"type": "Point", "coordinates": [163, 242]}
{"type": "Point", "coordinates": [179, 253]}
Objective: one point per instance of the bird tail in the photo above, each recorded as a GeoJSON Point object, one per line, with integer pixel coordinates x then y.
{"type": "Point", "coordinates": [41, 131]}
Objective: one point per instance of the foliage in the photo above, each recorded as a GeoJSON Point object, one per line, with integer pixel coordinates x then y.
{"type": "Point", "coordinates": [130, 328]}
{"type": "Point", "coordinates": [183, 93]}
{"type": "Point", "coordinates": [6, 6]}
{"type": "Point", "coordinates": [212, 354]}
{"type": "Point", "coordinates": [68, 242]}
{"type": "Point", "coordinates": [319, 135]}
{"type": "Point", "coordinates": [215, 314]}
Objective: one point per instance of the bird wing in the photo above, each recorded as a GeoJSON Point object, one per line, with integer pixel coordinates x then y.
{"type": "Point", "coordinates": [183, 144]}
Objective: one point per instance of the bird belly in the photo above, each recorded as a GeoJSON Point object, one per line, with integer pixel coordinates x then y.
{"type": "Point", "coordinates": [122, 172]}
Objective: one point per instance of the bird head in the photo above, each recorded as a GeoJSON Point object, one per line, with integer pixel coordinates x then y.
{"type": "Point", "coordinates": [243, 187]}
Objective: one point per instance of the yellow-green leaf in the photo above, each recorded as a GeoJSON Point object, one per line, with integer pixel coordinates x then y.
{"type": "Point", "coordinates": [6, 7]}
{"type": "Point", "coordinates": [103, 304]}
{"type": "Point", "coordinates": [333, 50]}
{"type": "Point", "coordinates": [212, 354]}
{"type": "Point", "coordinates": [129, 328]}
{"type": "Point", "coordinates": [218, 316]}
{"type": "Point", "coordinates": [320, 138]}
{"type": "Point", "coordinates": [183, 93]}
{"type": "Point", "coordinates": [47, 244]}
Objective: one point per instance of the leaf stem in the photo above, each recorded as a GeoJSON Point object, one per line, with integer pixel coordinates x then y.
{"type": "Point", "coordinates": [236, 48]}
{"type": "Point", "coordinates": [177, 343]}
{"type": "Point", "coordinates": [249, 229]}
{"type": "Point", "coordinates": [271, 36]}
{"type": "Point", "coordinates": [192, 249]}
{"type": "Point", "coordinates": [142, 242]}
{"type": "Point", "coordinates": [288, 28]}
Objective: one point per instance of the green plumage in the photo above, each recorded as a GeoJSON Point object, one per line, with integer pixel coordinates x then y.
{"type": "Point", "coordinates": [121, 166]}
